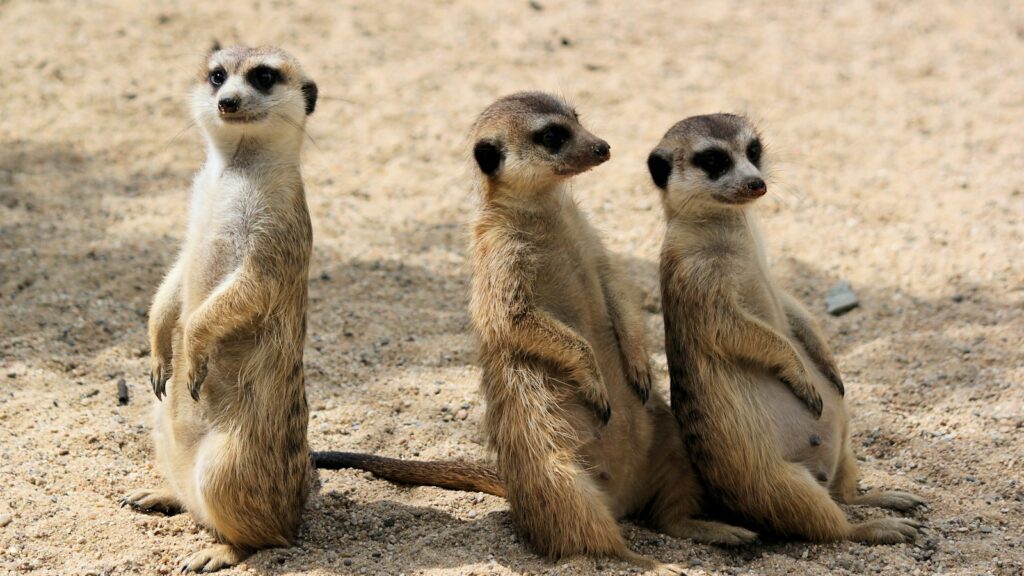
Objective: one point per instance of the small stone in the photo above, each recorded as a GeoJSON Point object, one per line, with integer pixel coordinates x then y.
{"type": "Point", "coordinates": [5, 519]}
{"type": "Point", "coordinates": [472, 514]}
{"type": "Point", "coordinates": [325, 276]}
{"type": "Point", "coordinates": [462, 414]}
{"type": "Point", "coordinates": [840, 299]}
{"type": "Point", "coordinates": [958, 298]}
{"type": "Point", "coordinates": [122, 392]}
{"type": "Point", "coordinates": [347, 561]}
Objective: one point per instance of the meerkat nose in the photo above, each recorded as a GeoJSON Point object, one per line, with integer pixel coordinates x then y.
{"type": "Point", "coordinates": [228, 105]}
{"type": "Point", "coordinates": [756, 187]}
{"type": "Point", "coordinates": [602, 150]}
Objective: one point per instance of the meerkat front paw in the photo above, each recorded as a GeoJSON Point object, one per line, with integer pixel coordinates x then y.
{"type": "Point", "coordinates": [195, 374]}
{"type": "Point", "coordinates": [638, 373]}
{"type": "Point", "coordinates": [832, 375]}
{"type": "Point", "coordinates": [800, 384]}
{"type": "Point", "coordinates": [159, 374]}
{"type": "Point", "coordinates": [597, 397]}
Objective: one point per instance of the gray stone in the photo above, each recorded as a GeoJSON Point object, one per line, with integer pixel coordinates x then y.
{"type": "Point", "coordinates": [840, 299]}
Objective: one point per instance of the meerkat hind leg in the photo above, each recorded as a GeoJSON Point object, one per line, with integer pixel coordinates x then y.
{"type": "Point", "coordinates": [214, 558]}
{"type": "Point", "coordinates": [159, 500]}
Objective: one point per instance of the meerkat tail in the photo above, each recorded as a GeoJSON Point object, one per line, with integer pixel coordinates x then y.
{"type": "Point", "coordinates": [451, 475]}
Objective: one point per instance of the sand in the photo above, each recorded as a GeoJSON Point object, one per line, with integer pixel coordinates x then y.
{"type": "Point", "coordinates": [895, 128]}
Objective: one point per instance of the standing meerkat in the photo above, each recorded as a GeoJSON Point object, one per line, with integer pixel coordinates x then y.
{"type": "Point", "coordinates": [754, 385]}
{"type": "Point", "coordinates": [581, 439]}
{"type": "Point", "coordinates": [228, 324]}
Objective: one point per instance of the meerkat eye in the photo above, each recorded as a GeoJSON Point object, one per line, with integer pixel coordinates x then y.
{"type": "Point", "coordinates": [217, 77]}
{"type": "Point", "coordinates": [714, 162]}
{"type": "Point", "coordinates": [263, 77]}
{"type": "Point", "coordinates": [552, 137]}
{"type": "Point", "coordinates": [754, 152]}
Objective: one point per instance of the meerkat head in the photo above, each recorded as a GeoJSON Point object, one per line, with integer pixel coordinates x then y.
{"type": "Point", "coordinates": [709, 160]}
{"type": "Point", "coordinates": [532, 141]}
{"type": "Point", "coordinates": [242, 90]}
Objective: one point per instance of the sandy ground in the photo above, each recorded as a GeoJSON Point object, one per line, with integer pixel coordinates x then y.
{"type": "Point", "coordinates": [896, 129]}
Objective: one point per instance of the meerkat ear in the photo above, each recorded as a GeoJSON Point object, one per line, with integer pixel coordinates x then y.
{"type": "Point", "coordinates": [309, 92]}
{"type": "Point", "coordinates": [660, 165]}
{"type": "Point", "coordinates": [489, 156]}
{"type": "Point", "coordinates": [215, 47]}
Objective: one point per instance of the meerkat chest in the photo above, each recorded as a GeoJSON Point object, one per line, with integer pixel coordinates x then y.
{"type": "Point", "coordinates": [757, 293]}
{"type": "Point", "coordinates": [569, 285]}
{"type": "Point", "coordinates": [220, 225]}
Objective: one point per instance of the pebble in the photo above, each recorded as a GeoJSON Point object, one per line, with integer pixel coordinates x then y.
{"type": "Point", "coordinates": [462, 414]}
{"type": "Point", "coordinates": [840, 299]}
{"type": "Point", "coordinates": [5, 519]}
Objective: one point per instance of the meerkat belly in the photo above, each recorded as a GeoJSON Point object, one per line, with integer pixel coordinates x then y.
{"type": "Point", "coordinates": [617, 452]}
{"type": "Point", "coordinates": [800, 438]}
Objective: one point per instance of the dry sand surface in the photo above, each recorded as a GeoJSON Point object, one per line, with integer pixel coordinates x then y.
{"type": "Point", "coordinates": [896, 130]}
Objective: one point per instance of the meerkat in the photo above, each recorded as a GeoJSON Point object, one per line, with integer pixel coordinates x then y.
{"type": "Point", "coordinates": [581, 439]}
{"type": "Point", "coordinates": [754, 384]}
{"type": "Point", "coordinates": [228, 323]}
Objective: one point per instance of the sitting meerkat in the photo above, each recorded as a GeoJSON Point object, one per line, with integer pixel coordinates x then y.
{"type": "Point", "coordinates": [746, 361]}
{"type": "Point", "coordinates": [581, 439]}
{"type": "Point", "coordinates": [228, 323]}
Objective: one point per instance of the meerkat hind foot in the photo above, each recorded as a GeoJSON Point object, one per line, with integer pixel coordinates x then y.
{"type": "Point", "coordinates": [160, 500]}
{"type": "Point", "coordinates": [885, 531]}
{"type": "Point", "coordinates": [214, 558]}
{"type": "Point", "coordinates": [650, 564]}
{"type": "Point", "coordinates": [669, 570]}
{"type": "Point", "coordinates": [894, 500]}
{"type": "Point", "coordinates": [709, 532]}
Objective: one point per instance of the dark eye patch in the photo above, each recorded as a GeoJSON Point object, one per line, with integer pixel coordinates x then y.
{"type": "Point", "coordinates": [754, 152]}
{"type": "Point", "coordinates": [552, 137]}
{"type": "Point", "coordinates": [714, 162]}
{"type": "Point", "coordinates": [263, 78]}
{"type": "Point", "coordinates": [216, 77]}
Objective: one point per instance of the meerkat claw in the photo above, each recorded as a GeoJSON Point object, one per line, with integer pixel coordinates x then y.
{"type": "Point", "coordinates": [641, 382]}
{"type": "Point", "coordinates": [603, 411]}
{"type": "Point", "coordinates": [811, 400]}
{"type": "Point", "coordinates": [836, 381]}
{"type": "Point", "coordinates": [196, 381]}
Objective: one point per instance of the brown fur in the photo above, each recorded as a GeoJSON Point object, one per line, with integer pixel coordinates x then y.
{"type": "Point", "coordinates": [742, 353]}
{"type": "Point", "coordinates": [580, 439]}
{"type": "Point", "coordinates": [228, 324]}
